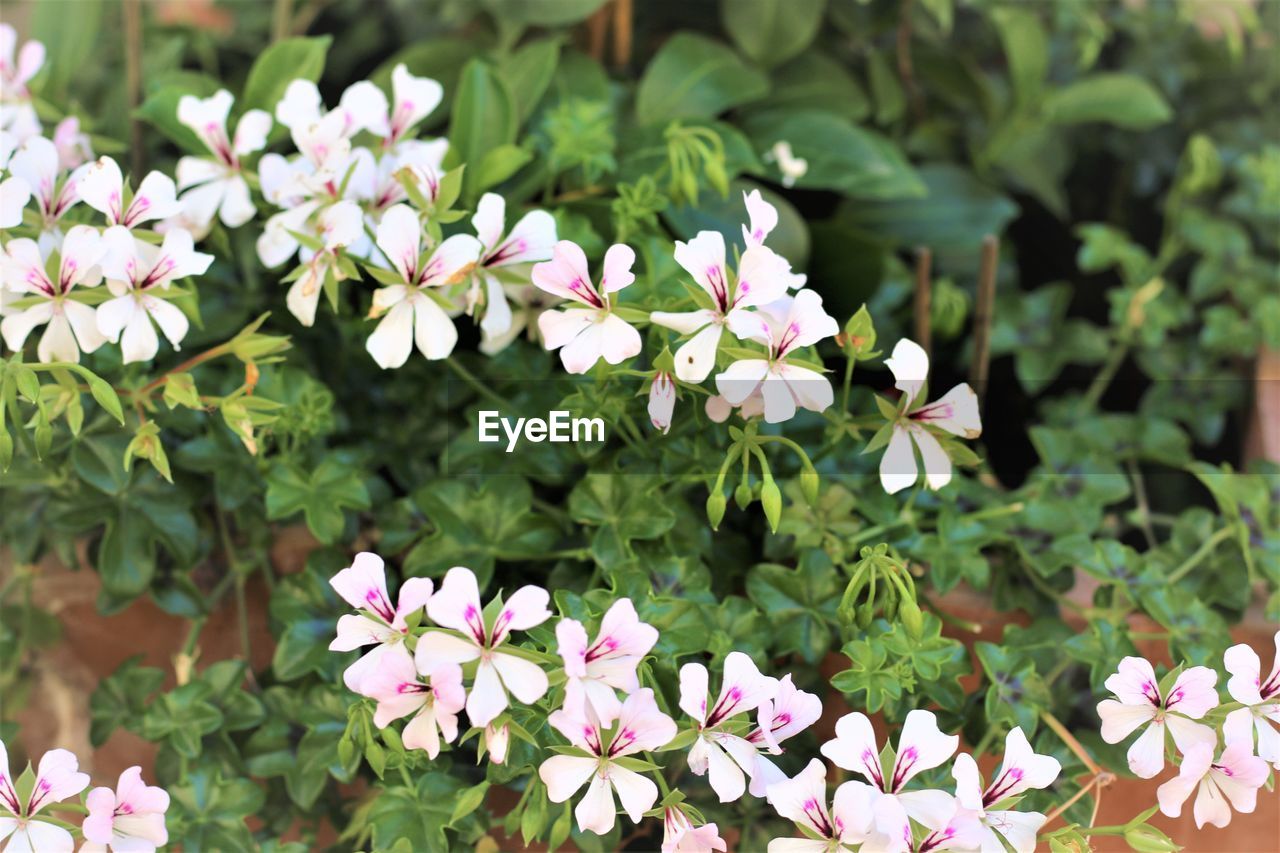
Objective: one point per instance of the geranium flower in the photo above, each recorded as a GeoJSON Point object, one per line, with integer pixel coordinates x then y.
{"type": "Point", "coordinates": [641, 726]}
{"type": "Point", "coordinates": [1020, 770]}
{"type": "Point", "coordinates": [399, 691]}
{"type": "Point", "coordinates": [1140, 704]}
{"type": "Point", "coordinates": [679, 835]}
{"type": "Point", "coordinates": [217, 186]}
{"type": "Point", "coordinates": [17, 113]}
{"type": "Point", "coordinates": [802, 800]}
{"type": "Point", "coordinates": [778, 718]}
{"type": "Point", "coordinates": [412, 315]}
{"type": "Point", "coordinates": [763, 218]}
{"type": "Point", "coordinates": [129, 819]}
{"type": "Point", "coordinates": [359, 108]}
{"type": "Point", "coordinates": [74, 148]}
{"type": "Point", "coordinates": [718, 408]}
{"type": "Point", "coordinates": [724, 757]}
{"type": "Point", "coordinates": [530, 239]}
{"type": "Point", "coordinates": [595, 670]}
{"type": "Point", "coordinates": [790, 324]}
{"type": "Point", "coordinates": [363, 585]}
{"type": "Point", "coordinates": [101, 186]}
{"type": "Point", "coordinates": [457, 606]}
{"type": "Point", "coordinates": [1232, 782]}
{"type": "Point", "coordinates": [762, 278]}
{"type": "Point", "coordinates": [412, 100]}
{"type": "Point", "coordinates": [662, 401]}
{"type": "Point", "coordinates": [962, 831]}
{"type": "Point", "coordinates": [72, 326]}
{"type": "Point", "coordinates": [135, 273]}
{"type": "Point", "coordinates": [529, 304]}
{"type": "Point", "coordinates": [1260, 698]}
{"type": "Point", "coordinates": [956, 412]}
{"type": "Point", "coordinates": [338, 226]}
{"type": "Point", "coordinates": [585, 335]}
{"type": "Point", "coordinates": [57, 778]}
{"type": "Point", "coordinates": [496, 740]}
{"type": "Point", "coordinates": [921, 746]}
{"type": "Point", "coordinates": [36, 163]}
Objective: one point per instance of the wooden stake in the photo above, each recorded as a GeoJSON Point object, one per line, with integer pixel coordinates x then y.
{"type": "Point", "coordinates": [622, 33]}
{"type": "Point", "coordinates": [924, 298]}
{"type": "Point", "coordinates": [983, 314]}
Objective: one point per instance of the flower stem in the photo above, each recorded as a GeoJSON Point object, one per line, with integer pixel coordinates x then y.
{"type": "Point", "coordinates": [476, 385]}
{"type": "Point", "coordinates": [1204, 550]}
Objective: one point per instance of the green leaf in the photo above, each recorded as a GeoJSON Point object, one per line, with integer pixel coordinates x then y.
{"type": "Point", "coordinates": [417, 815]}
{"type": "Point", "coordinates": [772, 31]}
{"type": "Point", "coordinates": [800, 603]}
{"type": "Point", "coordinates": [695, 77]}
{"type": "Point", "coordinates": [120, 699]}
{"type": "Point", "coordinates": [860, 163]}
{"type": "Point", "coordinates": [484, 118]}
{"type": "Point", "coordinates": [500, 163]}
{"type": "Point", "coordinates": [1026, 48]}
{"type": "Point", "coordinates": [1121, 99]}
{"type": "Point", "coordinates": [815, 81]}
{"type": "Point", "coordinates": [160, 109]}
{"type": "Point", "coordinates": [299, 58]}
{"type": "Point", "coordinates": [321, 496]}
{"type": "Point", "coordinates": [623, 508]}
{"type": "Point", "coordinates": [528, 73]}
{"type": "Point", "coordinates": [542, 13]}
{"type": "Point", "coordinates": [104, 394]}
{"type": "Point", "coordinates": [303, 605]}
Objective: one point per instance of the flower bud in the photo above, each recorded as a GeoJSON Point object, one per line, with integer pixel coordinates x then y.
{"type": "Point", "coordinates": [715, 509]}
{"type": "Point", "coordinates": [771, 500]}
{"type": "Point", "coordinates": [743, 495]}
{"type": "Point", "coordinates": [866, 613]}
{"type": "Point", "coordinates": [809, 482]}
{"type": "Point", "coordinates": [912, 620]}
{"type": "Point", "coordinates": [1148, 839]}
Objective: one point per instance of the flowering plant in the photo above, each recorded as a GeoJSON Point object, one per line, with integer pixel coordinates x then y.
{"type": "Point", "coordinates": [887, 442]}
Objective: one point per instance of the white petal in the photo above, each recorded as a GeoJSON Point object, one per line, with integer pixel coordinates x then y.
{"type": "Point", "coordinates": [696, 357]}
{"type": "Point", "coordinates": [596, 812]}
{"type": "Point", "coordinates": [488, 699]}
{"type": "Point", "coordinates": [937, 464]}
{"type": "Point", "coordinates": [565, 774]}
{"type": "Point", "coordinates": [1146, 755]}
{"type": "Point", "coordinates": [898, 465]}
{"type": "Point", "coordinates": [525, 679]}
{"type": "Point", "coordinates": [740, 379]}
{"type": "Point", "coordinates": [910, 367]}
{"type": "Point", "coordinates": [619, 340]}
{"type": "Point", "coordinates": [169, 318]}
{"type": "Point", "coordinates": [434, 332]}
{"type": "Point", "coordinates": [139, 341]}
{"type": "Point", "coordinates": [617, 268]}
{"type": "Point", "coordinates": [391, 343]}
{"type": "Point", "coordinates": [636, 793]}
{"type": "Point", "coordinates": [237, 208]}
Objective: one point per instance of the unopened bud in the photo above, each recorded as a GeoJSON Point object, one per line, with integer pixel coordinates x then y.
{"type": "Point", "coordinates": [912, 620]}
{"type": "Point", "coordinates": [715, 509]}
{"type": "Point", "coordinates": [1148, 839]}
{"type": "Point", "coordinates": [809, 483]}
{"type": "Point", "coordinates": [742, 496]}
{"type": "Point", "coordinates": [771, 500]}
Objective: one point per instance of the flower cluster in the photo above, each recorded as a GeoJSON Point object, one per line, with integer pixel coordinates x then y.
{"type": "Point", "coordinates": [462, 657]}
{"type": "Point", "coordinates": [130, 818]}
{"type": "Point", "coordinates": [1171, 710]}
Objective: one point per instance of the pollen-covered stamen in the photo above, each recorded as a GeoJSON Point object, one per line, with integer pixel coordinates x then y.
{"type": "Point", "coordinates": [902, 768]}
{"type": "Point", "coordinates": [726, 706]}
{"type": "Point", "coordinates": [818, 818]}
{"type": "Point", "coordinates": [999, 789]}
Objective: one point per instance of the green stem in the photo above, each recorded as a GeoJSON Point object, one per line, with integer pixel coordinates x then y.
{"type": "Point", "coordinates": [476, 385]}
{"type": "Point", "coordinates": [281, 19]}
{"type": "Point", "coordinates": [1119, 351]}
{"type": "Point", "coordinates": [1195, 559]}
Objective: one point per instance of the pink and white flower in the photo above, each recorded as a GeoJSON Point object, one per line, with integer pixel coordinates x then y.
{"type": "Point", "coordinates": [399, 690]}
{"type": "Point", "coordinates": [72, 325]}
{"type": "Point", "coordinates": [595, 670]}
{"type": "Point", "coordinates": [338, 226]}
{"type": "Point", "coordinates": [412, 100]}
{"type": "Point", "coordinates": [956, 412]}
{"type": "Point", "coordinates": [921, 746]}
{"type": "Point", "coordinates": [137, 273]}
{"type": "Point", "coordinates": [762, 278]}
{"type": "Point", "coordinates": [363, 585]}
{"type": "Point", "coordinates": [58, 777]}
{"type": "Point", "coordinates": [778, 718]}
{"type": "Point", "coordinates": [962, 831]}
{"type": "Point", "coordinates": [640, 727]}
{"type": "Point", "coordinates": [1139, 703]}
{"type": "Point", "coordinates": [217, 186]}
{"type": "Point", "coordinates": [101, 186]}
{"type": "Point", "coordinates": [129, 819]}
{"type": "Point", "coordinates": [679, 835]}
{"type": "Point", "coordinates": [17, 112]}
{"type": "Point", "coordinates": [763, 219]}
{"type": "Point", "coordinates": [788, 325]}
{"type": "Point", "coordinates": [74, 147]}
{"type": "Point", "coordinates": [585, 335]}
{"type": "Point", "coordinates": [412, 313]}
{"type": "Point", "coordinates": [727, 759]}
{"type": "Point", "coordinates": [1261, 700]}
{"type": "Point", "coordinates": [531, 239]}
{"type": "Point", "coordinates": [662, 401]}
{"type": "Point", "coordinates": [802, 799]}
{"type": "Point", "coordinates": [496, 740]}
{"type": "Point", "coordinates": [1231, 782]}
{"type": "Point", "coordinates": [1021, 770]}
{"type": "Point", "coordinates": [36, 163]}
{"type": "Point", "coordinates": [457, 606]}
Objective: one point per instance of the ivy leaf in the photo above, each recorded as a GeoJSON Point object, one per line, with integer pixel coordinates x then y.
{"type": "Point", "coordinates": [304, 607]}
{"type": "Point", "coordinates": [210, 811]}
{"type": "Point", "coordinates": [182, 717]}
{"type": "Point", "coordinates": [868, 674]}
{"type": "Point", "coordinates": [320, 496]}
{"type": "Point", "coordinates": [417, 815]}
{"type": "Point", "coordinates": [1017, 694]}
{"type": "Point", "coordinates": [800, 603]}
{"type": "Point", "coordinates": [623, 509]}
{"type": "Point", "coordinates": [120, 699]}
{"type": "Point", "coordinates": [1123, 100]}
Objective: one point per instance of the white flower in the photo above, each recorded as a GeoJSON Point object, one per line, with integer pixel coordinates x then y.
{"type": "Point", "coordinates": [956, 412]}
{"type": "Point", "coordinates": [17, 113]}
{"type": "Point", "coordinates": [36, 163]}
{"type": "Point", "coordinates": [1141, 704]}
{"type": "Point", "coordinates": [1260, 698]}
{"type": "Point", "coordinates": [101, 186]}
{"type": "Point", "coordinates": [57, 778]}
{"type": "Point", "coordinates": [681, 836]}
{"type": "Point", "coordinates": [72, 325]}
{"type": "Point", "coordinates": [762, 278]}
{"type": "Point", "coordinates": [594, 670]}
{"type": "Point", "coordinates": [793, 168]}
{"type": "Point", "coordinates": [1230, 782]}
{"type": "Point", "coordinates": [802, 800]}
{"type": "Point", "coordinates": [457, 605]}
{"type": "Point", "coordinates": [14, 195]}
{"type": "Point", "coordinates": [399, 691]}
{"type": "Point", "coordinates": [789, 324]}
{"type": "Point", "coordinates": [1020, 770]}
{"type": "Point", "coordinates": [129, 819]}
{"type": "Point", "coordinates": [530, 239]}
{"type": "Point", "coordinates": [339, 226]}
{"type": "Point", "coordinates": [412, 315]}
{"type": "Point", "coordinates": [217, 186]}
{"type": "Point", "coordinates": [662, 401]}
{"type": "Point", "coordinates": [585, 335]}
{"type": "Point", "coordinates": [74, 147]}
{"type": "Point", "coordinates": [921, 746]}
{"type": "Point", "coordinates": [641, 726]}
{"type": "Point", "coordinates": [137, 273]}
{"type": "Point", "coordinates": [785, 715]}
{"type": "Point", "coordinates": [412, 100]}
{"type": "Point", "coordinates": [726, 757]}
